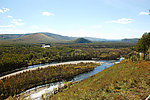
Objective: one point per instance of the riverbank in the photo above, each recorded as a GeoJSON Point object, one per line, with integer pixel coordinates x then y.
{"type": "Point", "coordinates": [123, 81]}
{"type": "Point", "coordinates": [38, 92]}
{"type": "Point", "coordinates": [18, 83]}
{"type": "Point", "coordinates": [62, 63]}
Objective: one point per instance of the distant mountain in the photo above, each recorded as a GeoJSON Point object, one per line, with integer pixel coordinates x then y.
{"type": "Point", "coordinates": [95, 39]}
{"type": "Point", "coordinates": [134, 40]}
{"type": "Point", "coordinates": [58, 37]}
{"type": "Point", "coordinates": [36, 37]}
{"type": "Point", "coordinates": [81, 40]}
{"type": "Point", "coordinates": [55, 36]}
{"type": "Point", "coordinates": [10, 36]}
{"type": "Point", "coordinates": [50, 37]}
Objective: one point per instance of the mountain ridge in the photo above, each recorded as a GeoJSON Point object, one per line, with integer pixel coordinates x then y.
{"type": "Point", "coordinates": [51, 37]}
{"type": "Point", "coordinates": [37, 37]}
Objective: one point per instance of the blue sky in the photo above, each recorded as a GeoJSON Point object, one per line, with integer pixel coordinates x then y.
{"type": "Point", "coordinates": [109, 19]}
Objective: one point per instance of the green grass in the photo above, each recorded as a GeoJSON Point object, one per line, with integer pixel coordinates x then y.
{"type": "Point", "coordinates": [124, 81]}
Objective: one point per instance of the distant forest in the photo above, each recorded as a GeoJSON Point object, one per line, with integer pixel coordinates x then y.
{"type": "Point", "coordinates": [13, 56]}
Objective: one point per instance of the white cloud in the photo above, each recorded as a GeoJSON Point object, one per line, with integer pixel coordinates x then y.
{"type": "Point", "coordinates": [9, 16]}
{"type": "Point", "coordinates": [144, 13]}
{"type": "Point", "coordinates": [48, 14]}
{"type": "Point", "coordinates": [3, 10]}
{"type": "Point", "coordinates": [7, 26]}
{"type": "Point", "coordinates": [97, 26]}
{"type": "Point", "coordinates": [12, 31]}
{"type": "Point", "coordinates": [6, 30]}
{"type": "Point", "coordinates": [122, 21]}
{"type": "Point", "coordinates": [19, 19]}
{"type": "Point", "coordinates": [17, 22]}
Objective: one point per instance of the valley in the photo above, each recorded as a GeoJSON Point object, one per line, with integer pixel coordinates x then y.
{"type": "Point", "coordinates": [74, 50]}
{"type": "Point", "coordinates": [16, 57]}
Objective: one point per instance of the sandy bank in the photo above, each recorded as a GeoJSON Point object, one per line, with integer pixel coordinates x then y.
{"type": "Point", "coordinates": [63, 63]}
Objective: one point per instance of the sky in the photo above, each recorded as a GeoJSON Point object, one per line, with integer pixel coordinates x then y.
{"type": "Point", "coordinates": [109, 19]}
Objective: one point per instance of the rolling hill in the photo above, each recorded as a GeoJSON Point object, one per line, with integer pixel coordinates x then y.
{"type": "Point", "coordinates": [20, 36]}
{"type": "Point", "coordinates": [50, 37]}
{"type": "Point", "coordinates": [81, 40]}
{"type": "Point", "coordinates": [95, 39]}
{"type": "Point", "coordinates": [57, 37]}
{"type": "Point", "coordinates": [10, 36]}
{"type": "Point", "coordinates": [36, 37]}
{"type": "Point", "coordinates": [134, 40]}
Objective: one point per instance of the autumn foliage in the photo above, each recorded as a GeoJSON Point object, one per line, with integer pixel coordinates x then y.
{"type": "Point", "coordinates": [13, 85]}
{"type": "Point", "coordinates": [124, 81]}
{"type": "Point", "coordinates": [15, 57]}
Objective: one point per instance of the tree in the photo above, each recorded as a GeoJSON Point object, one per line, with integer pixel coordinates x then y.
{"type": "Point", "coordinates": [143, 44]}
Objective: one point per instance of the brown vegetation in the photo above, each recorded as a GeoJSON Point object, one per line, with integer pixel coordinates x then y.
{"type": "Point", "coordinates": [13, 85]}
{"type": "Point", "coordinates": [125, 81]}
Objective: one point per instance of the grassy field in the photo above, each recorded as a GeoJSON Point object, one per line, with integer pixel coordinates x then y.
{"type": "Point", "coordinates": [124, 81]}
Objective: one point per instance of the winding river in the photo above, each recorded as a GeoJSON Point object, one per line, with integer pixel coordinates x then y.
{"type": "Point", "coordinates": [36, 93]}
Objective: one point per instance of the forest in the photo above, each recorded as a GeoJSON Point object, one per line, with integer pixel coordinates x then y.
{"type": "Point", "coordinates": [127, 80]}
{"type": "Point", "coordinates": [13, 85]}
{"type": "Point", "coordinates": [14, 56]}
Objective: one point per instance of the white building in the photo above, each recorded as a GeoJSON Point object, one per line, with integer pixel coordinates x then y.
{"type": "Point", "coordinates": [46, 45]}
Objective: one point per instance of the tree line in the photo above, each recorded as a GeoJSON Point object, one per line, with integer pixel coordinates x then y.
{"type": "Point", "coordinates": [14, 57]}
{"type": "Point", "coordinates": [143, 44]}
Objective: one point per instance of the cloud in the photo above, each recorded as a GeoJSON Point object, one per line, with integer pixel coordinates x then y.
{"type": "Point", "coordinates": [48, 14]}
{"type": "Point", "coordinates": [12, 31]}
{"type": "Point", "coordinates": [17, 22]}
{"type": "Point", "coordinates": [3, 10]}
{"type": "Point", "coordinates": [10, 16]}
{"type": "Point", "coordinates": [6, 30]}
{"type": "Point", "coordinates": [97, 26]}
{"type": "Point", "coordinates": [144, 13]}
{"type": "Point", "coordinates": [19, 19]}
{"type": "Point", "coordinates": [121, 21]}
{"type": "Point", "coordinates": [7, 26]}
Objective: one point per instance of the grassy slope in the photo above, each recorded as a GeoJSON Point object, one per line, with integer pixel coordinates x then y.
{"type": "Point", "coordinates": [37, 37]}
{"type": "Point", "coordinates": [127, 80]}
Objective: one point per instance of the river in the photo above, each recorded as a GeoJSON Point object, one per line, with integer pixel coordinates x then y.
{"type": "Point", "coordinates": [36, 93]}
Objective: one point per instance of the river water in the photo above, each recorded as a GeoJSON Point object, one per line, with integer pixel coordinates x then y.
{"type": "Point", "coordinates": [36, 93]}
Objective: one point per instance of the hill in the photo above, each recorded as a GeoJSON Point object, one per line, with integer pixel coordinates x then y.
{"type": "Point", "coordinates": [30, 37]}
{"type": "Point", "coordinates": [36, 37]}
{"type": "Point", "coordinates": [134, 40]}
{"type": "Point", "coordinates": [95, 39]}
{"type": "Point", "coordinates": [124, 81]}
{"type": "Point", "coordinates": [81, 40]}
{"type": "Point", "coordinates": [10, 36]}
{"type": "Point", "coordinates": [58, 37]}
